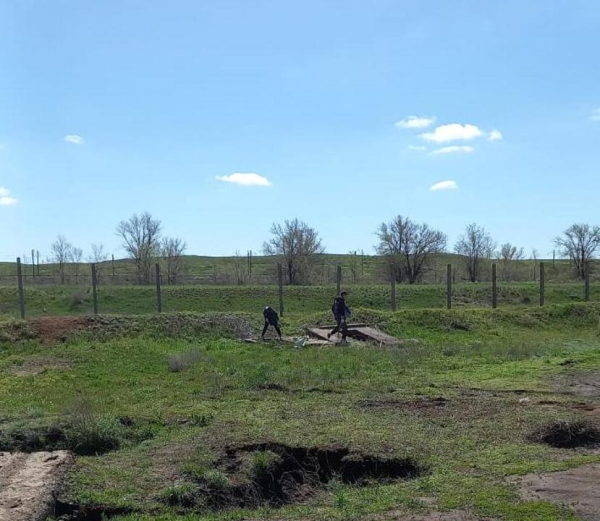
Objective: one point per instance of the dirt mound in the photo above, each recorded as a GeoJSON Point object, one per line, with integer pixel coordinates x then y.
{"type": "Point", "coordinates": [577, 488]}
{"type": "Point", "coordinates": [57, 329]}
{"type": "Point", "coordinates": [275, 474]}
{"type": "Point", "coordinates": [29, 482]}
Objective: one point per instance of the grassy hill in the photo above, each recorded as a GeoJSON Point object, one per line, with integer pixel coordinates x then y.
{"type": "Point", "coordinates": [356, 269]}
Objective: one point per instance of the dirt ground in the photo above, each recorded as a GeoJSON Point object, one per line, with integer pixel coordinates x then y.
{"type": "Point", "coordinates": [29, 482]}
{"type": "Point", "coordinates": [577, 489]}
{"type": "Point", "coordinates": [583, 383]}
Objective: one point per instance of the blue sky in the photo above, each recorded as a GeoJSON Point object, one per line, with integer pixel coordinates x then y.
{"type": "Point", "coordinates": [115, 107]}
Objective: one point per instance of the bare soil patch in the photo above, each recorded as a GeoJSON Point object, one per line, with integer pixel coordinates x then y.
{"type": "Point", "coordinates": [576, 488]}
{"type": "Point", "coordinates": [581, 383]}
{"type": "Point", "coordinates": [36, 366]}
{"type": "Point", "coordinates": [57, 329]}
{"type": "Point", "coordinates": [454, 515]}
{"type": "Point", "coordinates": [29, 482]}
{"type": "Point", "coordinates": [438, 402]}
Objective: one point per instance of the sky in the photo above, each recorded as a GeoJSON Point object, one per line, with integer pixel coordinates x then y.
{"type": "Point", "coordinates": [222, 117]}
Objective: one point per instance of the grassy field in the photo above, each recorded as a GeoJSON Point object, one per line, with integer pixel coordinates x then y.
{"type": "Point", "coordinates": [173, 417]}
{"type": "Point", "coordinates": [63, 300]}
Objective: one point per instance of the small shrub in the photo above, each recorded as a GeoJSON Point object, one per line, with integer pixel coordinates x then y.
{"type": "Point", "coordinates": [77, 300]}
{"type": "Point", "coordinates": [566, 434]}
{"type": "Point", "coordinates": [216, 385]}
{"type": "Point", "coordinates": [182, 361]}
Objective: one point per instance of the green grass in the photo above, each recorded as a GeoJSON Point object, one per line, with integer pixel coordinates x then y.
{"type": "Point", "coordinates": [356, 396]}
{"type": "Point", "coordinates": [75, 300]}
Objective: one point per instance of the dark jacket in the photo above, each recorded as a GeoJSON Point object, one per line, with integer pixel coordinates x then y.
{"type": "Point", "coordinates": [339, 308]}
{"type": "Point", "coordinates": [271, 316]}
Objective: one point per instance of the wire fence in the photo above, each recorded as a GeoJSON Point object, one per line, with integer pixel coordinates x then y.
{"type": "Point", "coordinates": [92, 284]}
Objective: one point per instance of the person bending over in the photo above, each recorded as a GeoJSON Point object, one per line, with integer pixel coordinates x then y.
{"type": "Point", "coordinates": [271, 319]}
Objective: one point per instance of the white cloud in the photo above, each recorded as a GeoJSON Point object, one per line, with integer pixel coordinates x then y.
{"type": "Point", "coordinates": [453, 132]}
{"type": "Point", "coordinates": [249, 179]}
{"type": "Point", "coordinates": [417, 148]}
{"type": "Point", "coordinates": [73, 139]}
{"type": "Point", "coordinates": [5, 198]}
{"type": "Point", "coordinates": [444, 185]}
{"type": "Point", "coordinates": [453, 150]}
{"type": "Point", "coordinates": [495, 135]}
{"type": "Point", "coordinates": [595, 116]}
{"type": "Point", "coordinates": [415, 122]}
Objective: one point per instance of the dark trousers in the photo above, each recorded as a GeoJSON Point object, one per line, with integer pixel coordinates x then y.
{"type": "Point", "coordinates": [341, 326]}
{"type": "Point", "coordinates": [276, 326]}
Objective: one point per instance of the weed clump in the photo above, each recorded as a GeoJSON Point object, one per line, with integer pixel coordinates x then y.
{"type": "Point", "coordinates": [79, 430]}
{"type": "Point", "coordinates": [182, 361]}
{"type": "Point", "coordinates": [185, 495]}
{"type": "Point", "coordinates": [77, 300]}
{"type": "Point", "coordinates": [566, 434]}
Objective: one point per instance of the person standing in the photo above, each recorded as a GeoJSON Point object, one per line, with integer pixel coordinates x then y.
{"type": "Point", "coordinates": [341, 312]}
{"type": "Point", "coordinates": [271, 319]}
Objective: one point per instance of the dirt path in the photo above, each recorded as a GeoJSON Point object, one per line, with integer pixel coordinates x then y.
{"type": "Point", "coordinates": [28, 483]}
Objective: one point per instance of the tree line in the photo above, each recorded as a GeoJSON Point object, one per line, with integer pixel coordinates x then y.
{"type": "Point", "coordinates": [408, 247]}
{"type": "Point", "coordinates": [142, 240]}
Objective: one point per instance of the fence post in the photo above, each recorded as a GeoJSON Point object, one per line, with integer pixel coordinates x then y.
{"type": "Point", "coordinates": [33, 263]}
{"type": "Point", "coordinates": [20, 283]}
{"type": "Point", "coordinates": [94, 290]}
{"type": "Point", "coordinates": [449, 286]}
{"type": "Point", "coordinates": [113, 267]}
{"type": "Point", "coordinates": [280, 284]}
{"type": "Point", "coordinates": [158, 295]}
{"type": "Point", "coordinates": [494, 286]}
{"type": "Point", "coordinates": [338, 279]}
{"type": "Point", "coordinates": [542, 284]}
{"type": "Point", "coordinates": [37, 254]}
{"type": "Point", "coordinates": [587, 281]}
{"type": "Point", "coordinates": [393, 282]}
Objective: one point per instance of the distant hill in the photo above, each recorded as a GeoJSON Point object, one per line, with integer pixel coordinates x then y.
{"type": "Point", "coordinates": [356, 269]}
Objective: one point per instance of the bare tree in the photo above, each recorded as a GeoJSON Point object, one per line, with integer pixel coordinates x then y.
{"type": "Point", "coordinates": [409, 246]}
{"type": "Point", "coordinates": [475, 246]}
{"type": "Point", "coordinates": [579, 242]}
{"type": "Point", "coordinates": [61, 250]}
{"type": "Point", "coordinates": [534, 258]}
{"type": "Point", "coordinates": [354, 265]}
{"type": "Point", "coordinates": [141, 241]}
{"type": "Point", "coordinates": [97, 256]}
{"type": "Point", "coordinates": [238, 266]}
{"type": "Point", "coordinates": [295, 244]}
{"type": "Point", "coordinates": [76, 257]}
{"type": "Point", "coordinates": [172, 250]}
{"type": "Point", "coordinates": [508, 254]}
